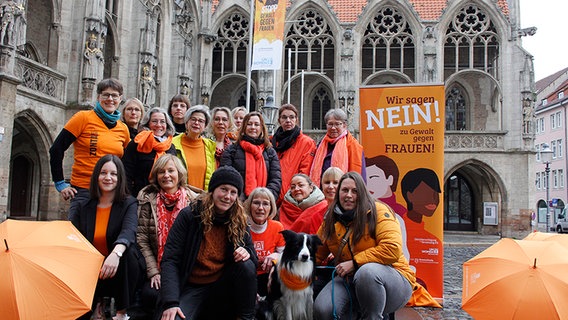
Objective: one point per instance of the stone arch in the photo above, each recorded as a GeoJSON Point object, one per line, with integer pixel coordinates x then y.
{"type": "Point", "coordinates": [387, 77]}
{"type": "Point", "coordinates": [227, 90]}
{"type": "Point", "coordinates": [485, 186]}
{"type": "Point", "coordinates": [32, 141]}
{"type": "Point", "coordinates": [485, 92]}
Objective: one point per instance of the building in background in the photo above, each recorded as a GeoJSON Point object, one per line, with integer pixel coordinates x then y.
{"type": "Point", "coordinates": [550, 129]}
{"type": "Point", "coordinates": [53, 53]}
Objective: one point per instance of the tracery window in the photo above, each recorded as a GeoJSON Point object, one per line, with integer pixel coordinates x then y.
{"type": "Point", "coordinates": [230, 48]}
{"type": "Point", "coordinates": [311, 43]}
{"type": "Point", "coordinates": [456, 109]}
{"type": "Point", "coordinates": [321, 103]}
{"type": "Point", "coordinates": [471, 43]}
{"type": "Point", "coordinates": [388, 44]}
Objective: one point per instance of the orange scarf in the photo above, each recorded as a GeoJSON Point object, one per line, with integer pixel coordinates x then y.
{"type": "Point", "coordinates": [146, 143]}
{"type": "Point", "coordinates": [293, 281]}
{"type": "Point", "coordinates": [256, 174]}
{"type": "Point", "coordinates": [339, 157]}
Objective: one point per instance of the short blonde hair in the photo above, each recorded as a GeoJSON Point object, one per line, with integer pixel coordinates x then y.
{"type": "Point", "coordinates": [161, 164]}
{"type": "Point", "coordinates": [231, 126]}
{"type": "Point", "coordinates": [261, 191]}
{"type": "Point", "coordinates": [136, 102]}
{"type": "Point", "coordinates": [333, 173]}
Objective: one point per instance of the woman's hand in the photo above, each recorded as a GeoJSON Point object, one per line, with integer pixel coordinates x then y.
{"type": "Point", "coordinates": [241, 254]}
{"type": "Point", "coordinates": [345, 268]}
{"type": "Point", "coordinates": [171, 313]}
{"type": "Point", "coordinates": [156, 281]}
{"type": "Point", "coordinates": [110, 266]}
{"type": "Point", "coordinates": [269, 261]}
{"type": "Point", "coordinates": [68, 193]}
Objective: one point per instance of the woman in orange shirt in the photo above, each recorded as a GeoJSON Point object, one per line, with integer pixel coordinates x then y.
{"type": "Point", "coordinates": [109, 220]}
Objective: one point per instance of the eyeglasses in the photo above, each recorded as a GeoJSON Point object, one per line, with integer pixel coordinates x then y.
{"type": "Point", "coordinates": [258, 203]}
{"type": "Point", "coordinates": [334, 124]}
{"type": "Point", "coordinates": [292, 117]}
{"type": "Point", "coordinates": [114, 96]}
{"type": "Point", "coordinates": [198, 120]}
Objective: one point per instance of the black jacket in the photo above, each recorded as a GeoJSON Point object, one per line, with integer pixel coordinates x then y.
{"type": "Point", "coordinates": [180, 253]}
{"type": "Point", "coordinates": [138, 166]}
{"type": "Point", "coordinates": [122, 222]}
{"type": "Point", "coordinates": [235, 157]}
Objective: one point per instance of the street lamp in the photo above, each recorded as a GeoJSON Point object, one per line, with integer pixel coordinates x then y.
{"type": "Point", "coordinates": [546, 157]}
{"type": "Point", "coordinates": [269, 113]}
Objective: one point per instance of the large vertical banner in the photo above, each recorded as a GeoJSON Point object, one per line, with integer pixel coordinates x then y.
{"type": "Point", "coordinates": [268, 34]}
{"type": "Point", "coordinates": [402, 133]}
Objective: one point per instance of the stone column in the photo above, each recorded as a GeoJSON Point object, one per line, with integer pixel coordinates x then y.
{"type": "Point", "coordinates": [8, 90]}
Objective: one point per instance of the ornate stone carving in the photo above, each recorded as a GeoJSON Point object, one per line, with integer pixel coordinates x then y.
{"type": "Point", "coordinates": [13, 24]}
{"type": "Point", "coordinates": [184, 19]}
{"type": "Point", "coordinates": [476, 141]}
{"type": "Point", "coordinates": [94, 58]}
{"type": "Point", "coordinates": [147, 86]}
{"type": "Point", "coordinates": [39, 78]}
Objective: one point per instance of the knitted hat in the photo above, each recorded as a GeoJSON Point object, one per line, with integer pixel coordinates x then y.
{"type": "Point", "coordinates": [226, 175]}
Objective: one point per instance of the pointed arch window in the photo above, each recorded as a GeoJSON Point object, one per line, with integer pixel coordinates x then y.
{"type": "Point", "coordinates": [456, 109]}
{"type": "Point", "coordinates": [230, 48]}
{"type": "Point", "coordinates": [471, 43]}
{"type": "Point", "coordinates": [321, 104]}
{"type": "Point", "coordinates": [388, 44]}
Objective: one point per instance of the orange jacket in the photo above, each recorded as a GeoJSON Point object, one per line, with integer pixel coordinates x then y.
{"type": "Point", "coordinates": [297, 159]}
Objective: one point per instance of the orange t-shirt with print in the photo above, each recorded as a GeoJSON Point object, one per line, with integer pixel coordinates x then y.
{"type": "Point", "coordinates": [93, 140]}
{"type": "Point", "coordinates": [266, 243]}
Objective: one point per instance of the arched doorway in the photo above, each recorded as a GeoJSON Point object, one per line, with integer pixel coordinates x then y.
{"type": "Point", "coordinates": [21, 188]}
{"type": "Point", "coordinates": [458, 204]}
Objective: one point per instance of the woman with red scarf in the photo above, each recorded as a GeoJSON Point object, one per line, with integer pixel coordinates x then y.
{"type": "Point", "coordinates": [158, 206]}
{"type": "Point", "coordinates": [337, 149]}
{"type": "Point", "coordinates": [148, 145]}
{"type": "Point", "coordinates": [254, 157]}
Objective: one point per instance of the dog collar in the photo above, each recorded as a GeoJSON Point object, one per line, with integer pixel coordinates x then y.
{"type": "Point", "coordinates": [293, 281]}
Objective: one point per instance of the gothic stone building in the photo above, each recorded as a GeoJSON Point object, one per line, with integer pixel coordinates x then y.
{"type": "Point", "coordinates": [53, 52]}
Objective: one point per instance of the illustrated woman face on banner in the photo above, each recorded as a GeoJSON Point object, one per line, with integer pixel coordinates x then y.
{"type": "Point", "coordinates": [421, 190]}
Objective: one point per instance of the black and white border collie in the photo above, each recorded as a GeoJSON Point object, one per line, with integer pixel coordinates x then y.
{"type": "Point", "coordinates": [290, 295]}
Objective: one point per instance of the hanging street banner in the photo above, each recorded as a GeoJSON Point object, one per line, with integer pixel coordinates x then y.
{"type": "Point", "coordinates": [268, 34]}
{"type": "Point", "coordinates": [402, 133]}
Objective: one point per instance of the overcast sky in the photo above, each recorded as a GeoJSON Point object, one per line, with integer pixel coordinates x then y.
{"type": "Point", "coordinates": [549, 45]}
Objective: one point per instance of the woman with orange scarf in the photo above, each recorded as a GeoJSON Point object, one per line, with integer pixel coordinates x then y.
{"type": "Point", "coordinates": [254, 157]}
{"type": "Point", "coordinates": [154, 141]}
{"type": "Point", "coordinates": [337, 149]}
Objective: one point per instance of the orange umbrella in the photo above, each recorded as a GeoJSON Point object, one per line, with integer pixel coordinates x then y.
{"type": "Point", "coordinates": [543, 236]}
{"type": "Point", "coordinates": [517, 279]}
{"type": "Point", "coordinates": [49, 270]}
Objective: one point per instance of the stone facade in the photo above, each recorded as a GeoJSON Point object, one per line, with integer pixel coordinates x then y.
{"type": "Point", "coordinates": [159, 48]}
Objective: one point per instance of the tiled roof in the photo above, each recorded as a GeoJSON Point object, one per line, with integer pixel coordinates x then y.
{"type": "Point", "coordinates": [349, 10]}
{"type": "Point", "coordinates": [545, 82]}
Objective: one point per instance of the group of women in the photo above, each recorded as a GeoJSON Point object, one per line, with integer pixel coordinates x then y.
{"type": "Point", "coordinates": [211, 252]}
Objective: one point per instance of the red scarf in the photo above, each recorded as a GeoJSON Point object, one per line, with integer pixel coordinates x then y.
{"type": "Point", "coordinates": [147, 142]}
{"type": "Point", "coordinates": [219, 152]}
{"type": "Point", "coordinates": [166, 218]}
{"type": "Point", "coordinates": [339, 157]}
{"type": "Point", "coordinates": [255, 172]}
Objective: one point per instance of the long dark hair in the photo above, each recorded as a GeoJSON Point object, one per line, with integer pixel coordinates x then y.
{"type": "Point", "coordinates": [365, 210]}
{"type": "Point", "coordinates": [121, 192]}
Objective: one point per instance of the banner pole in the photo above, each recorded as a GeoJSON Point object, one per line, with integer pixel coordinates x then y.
{"type": "Point", "coordinates": [249, 53]}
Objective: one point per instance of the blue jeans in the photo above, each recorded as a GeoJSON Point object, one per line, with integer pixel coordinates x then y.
{"type": "Point", "coordinates": [374, 291]}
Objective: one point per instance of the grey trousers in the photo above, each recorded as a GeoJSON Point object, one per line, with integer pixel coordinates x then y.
{"type": "Point", "coordinates": [375, 291]}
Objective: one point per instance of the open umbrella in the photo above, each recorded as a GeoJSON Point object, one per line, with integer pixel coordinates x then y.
{"type": "Point", "coordinates": [49, 270]}
{"type": "Point", "coordinates": [517, 279]}
{"type": "Point", "coordinates": [543, 236]}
